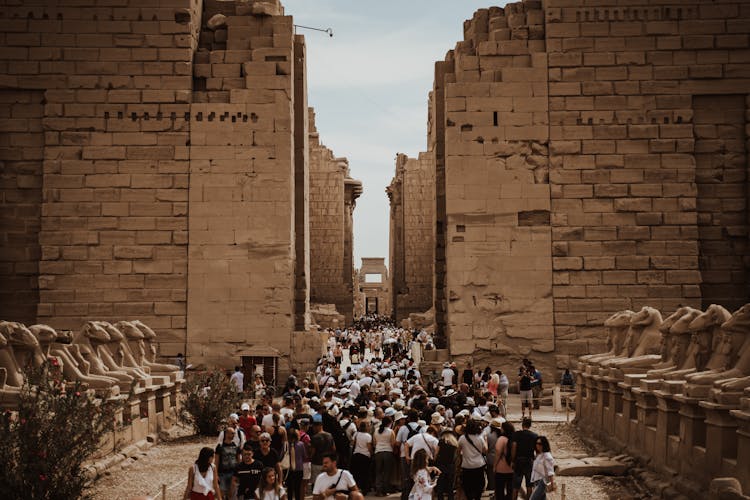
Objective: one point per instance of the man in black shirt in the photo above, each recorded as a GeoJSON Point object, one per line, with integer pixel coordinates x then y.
{"type": "Point", "coordinates": [522, 456]}
{"type": "Point", "coordinates": [268, 456]}
{"type": "Point", "coordinates": [247, 474]}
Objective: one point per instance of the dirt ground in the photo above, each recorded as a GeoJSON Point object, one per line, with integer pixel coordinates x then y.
{"type": "Point", "coordinates": [167, 464]}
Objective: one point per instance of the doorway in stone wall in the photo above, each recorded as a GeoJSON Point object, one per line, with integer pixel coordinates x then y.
{"type": "Point", "coordinates": [371, 305]}
{"type": "Point", "coordinates": [266, 366]}
{"type": "Point", "coordinates": [721, 201]}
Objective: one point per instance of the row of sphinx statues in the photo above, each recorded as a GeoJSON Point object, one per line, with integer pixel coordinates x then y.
{"type": "Point", "coordinates": [701, 354]}
{"type": "Point", "coordinates": [110, 359]}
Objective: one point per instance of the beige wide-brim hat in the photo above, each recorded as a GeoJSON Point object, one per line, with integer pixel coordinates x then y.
{"type": "Point", "coordinates": [437, 419]}
{"type": "Point", "coordinates": [497, 422]}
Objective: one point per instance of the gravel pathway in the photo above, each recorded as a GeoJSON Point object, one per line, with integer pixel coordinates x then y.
{"type": "Point", "coordinates": [168, 462]}
{"type": "Point", "coordinates": [165, 463]}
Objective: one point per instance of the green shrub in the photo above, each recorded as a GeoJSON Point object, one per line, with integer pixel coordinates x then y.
{"type": "Point", "coordinates": [208, 399]}
{"type": "Point", "coordinates": [43, 445]}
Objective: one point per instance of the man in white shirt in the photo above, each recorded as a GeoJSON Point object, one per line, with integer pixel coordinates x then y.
{"type": "Point", "coordinates": [447, 376]}
{"type": "Point", "coordinates": [238, 378]}
{"type": "Point", "coordinates": [333, 483]}
{"type": "Point", "coordinates": [423, 441]}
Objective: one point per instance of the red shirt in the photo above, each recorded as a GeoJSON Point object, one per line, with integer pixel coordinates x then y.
{"type": "Point", "coordinates": [247, 423]}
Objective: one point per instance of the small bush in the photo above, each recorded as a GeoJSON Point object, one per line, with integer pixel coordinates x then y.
{"type": "Point", "coordinates": [43, 446]}
{"type": "Point", "coordinates": [208, 399]}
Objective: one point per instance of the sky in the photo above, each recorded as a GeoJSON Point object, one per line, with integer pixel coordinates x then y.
{"type": "Point", "coordinates": [369, 86]}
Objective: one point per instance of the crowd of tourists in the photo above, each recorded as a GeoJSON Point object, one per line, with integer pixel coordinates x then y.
{"type": "Point", "coordinates": [367, 421]}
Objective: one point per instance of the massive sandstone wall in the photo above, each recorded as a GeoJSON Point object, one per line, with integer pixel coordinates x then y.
{"type": "Point", "coordinates": [243, 197]}
{"type": "Point", "coordinates": [332, 197]}
{"type": "Point", "coordinates": [163, 164]}
{"type": "Point", "coordinates": [588, 159]}
{"type": "Point", "coordinates": [412, 196]}
{"type": "Point", "coordinates": [104, 91]}
{"type": "Point", "coordinates": [649, 171]}
{"type": "Point", "coordinates": [497, 234]}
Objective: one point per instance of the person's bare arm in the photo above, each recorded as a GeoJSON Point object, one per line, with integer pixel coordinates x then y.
{"type": "Point", "coordinates": [217, 490]}
{"type": "Point", "coordinates": [189, 486]}
{"type": "Point", "coordinates": [513, 450]}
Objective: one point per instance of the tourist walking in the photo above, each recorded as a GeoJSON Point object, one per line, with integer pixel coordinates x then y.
{"type": "Point", "coordinates": [362, 457]}
{"type": "Point", "coordinates": [385, 441]}
{"type": "Point", "coordinates": [268, 455]}
{"type": "Point", "coordinates": [522, 456]}
{"type": "Point", "coordinates": [238, 379]}
{"type": "Point", "coordinates": [321, 443]}
{"type": "Point", "coordinates": [405, 433]}
{"type": "Point", "coordinates": [297, 458]}
{"type": "Point", "coordinates": [492, 433]}
{"type": "Point", "coordinates": [445, 460]}
{"type": "Point", "coordinates": [334, 483]}
{"type": "Point", "coordinates": [270, 487]}
{"type": "Point", "coordinates": [247, 474]}
{"type": "Point", "coordinates": [524, 387]}
{"type": "Point", "coordinates": [203, 480]}
{"type": "Point", "coordinates": [227, 456]}
{"type": "Point", "coordinates": [473, 449]}
{"type": "Point", "coordinates": [543, 472]}
{"type": "Point", "coordinates": [423, 476]}
{"type": "Point", "coordinates": [502, 469]}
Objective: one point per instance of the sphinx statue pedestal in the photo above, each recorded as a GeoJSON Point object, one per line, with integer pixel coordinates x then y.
{"type": "Point", "coordinates": [611, 401]}
{"type": "Point", "coordinates": [721, 439]}
{"type": "Point", "coordinates": [641, 439]}
{"type": "Point", "coordinates": [667, 438]}
{"type": "Point", "coordinates": [692, 454]}
{"type": "Point", "coordinates": [742, 416]}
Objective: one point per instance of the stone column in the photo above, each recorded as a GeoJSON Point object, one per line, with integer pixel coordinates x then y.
{"type": "Point", "coordinates": [352, 191]}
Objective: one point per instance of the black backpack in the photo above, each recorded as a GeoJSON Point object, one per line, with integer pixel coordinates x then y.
{"type": "Point", "coordinates": [412, 431]}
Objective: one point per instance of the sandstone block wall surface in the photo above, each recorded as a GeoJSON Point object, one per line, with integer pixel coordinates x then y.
{"type": "Point", "coordinates": [332, 197]}
{"type": "Point", "coordinates": [21, 157]}
{"type": "Point", "coordinates": [155, 166]}
{"type": "Point", "coordinates": [638, 162]}
{"type": "Point", "coordinates": [242, 187]}
{"type": "Point", "coordinates": [412, 195]}
{"type": "Point", "coordinates": [587, 159]}
{"type": "Point", "coordinates": [498, 278]}
{"type": "Point", "coordinates": [110, 84]}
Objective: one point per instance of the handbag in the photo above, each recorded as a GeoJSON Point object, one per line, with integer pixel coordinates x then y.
{"type": "Point", "coordinates": [285, 461]}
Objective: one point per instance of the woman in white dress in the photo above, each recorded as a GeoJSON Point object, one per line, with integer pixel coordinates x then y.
{"type": "Point", "coordinates": [422, 475]}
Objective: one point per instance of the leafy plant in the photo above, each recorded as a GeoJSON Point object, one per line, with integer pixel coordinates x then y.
{"type": "Point", "coordinates": [44, 444]}
{"type": "Point", "coordinates": [208, 399]}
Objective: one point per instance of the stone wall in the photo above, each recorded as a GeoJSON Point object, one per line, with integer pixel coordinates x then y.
{"type": "Point", "coordinates": [635, 215]}
{"type": "Point", "coordinates": [155, 167]}
{"type": "Point", "coordinates": [21, 156]}
{"type": "Point", "coordinates": [587, 159]}
{"type": "Point", "coordinates": [498, 283]}
{"type": "Point", "coordinates": [412, 195]}
{"type": "Point", "coordinates": [332, 197]}
{"type": "Point", "coordinates": [110, 87]}
{"type": "Point", "coordinates": [242, 187]}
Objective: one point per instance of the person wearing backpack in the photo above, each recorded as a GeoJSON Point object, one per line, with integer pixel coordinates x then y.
{"type": "Point", "coordinates": [502, 468]}
{"type": "Point", "coordinates": [405, 433]}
